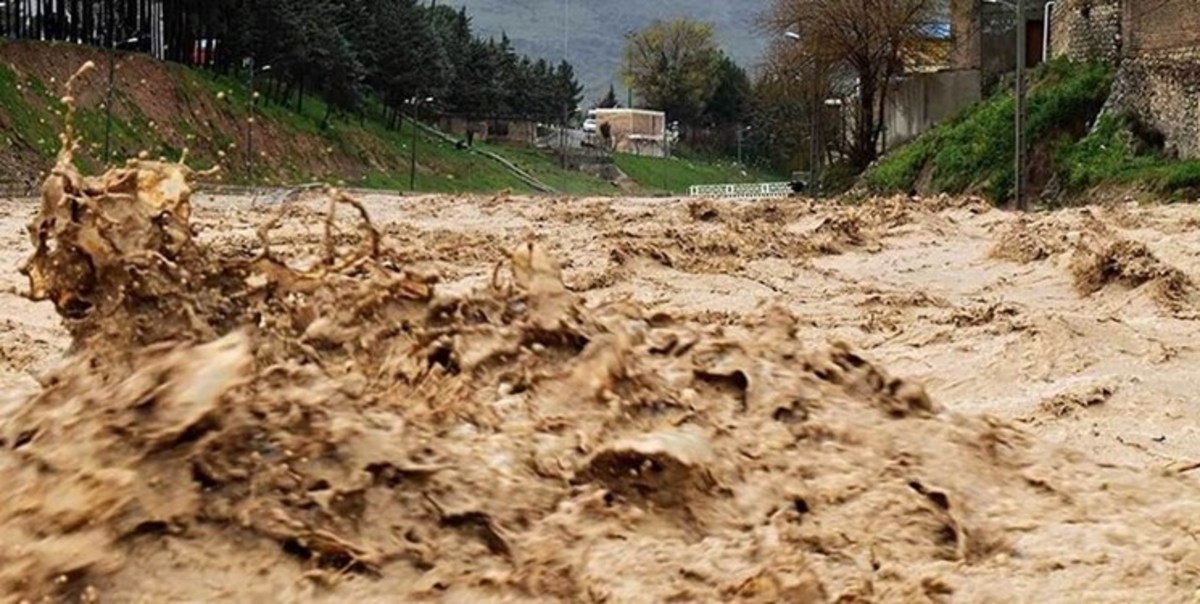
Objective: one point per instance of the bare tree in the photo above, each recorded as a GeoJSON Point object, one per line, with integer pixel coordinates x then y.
{"type": "Point", "coordinates": [870, 39]}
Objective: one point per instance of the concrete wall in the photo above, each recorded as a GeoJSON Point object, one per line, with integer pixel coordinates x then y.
{"type": "Point", "coordinates": [919, 102]}
{"type": "Point", "coordinates": [513, 131]}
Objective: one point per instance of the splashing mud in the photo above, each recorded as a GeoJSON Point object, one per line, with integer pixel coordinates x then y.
{"type": "Point", "coordinates": [1131, 264]}
{"type": "Point", "coordinates": [1030, 240]}
{"type": "Point", "coordinates": [327, 425]}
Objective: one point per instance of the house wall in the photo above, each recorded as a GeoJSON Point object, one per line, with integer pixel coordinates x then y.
{"type": "Point", "coordinates": [1159, 79]}
{"type": "Point", "coordinates": [984, 36]}
{"type": "Point", "coordinates": [1156, 44]}
{"type": "Point", "coordinates": [636, 132]}
{"type": "Point", "coordinates": [1087, 30]}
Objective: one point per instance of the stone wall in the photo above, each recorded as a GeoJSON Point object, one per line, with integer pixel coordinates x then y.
{"type": "Point", "coordinates": [1156, 27]}
{"type": "Point", "coordinates": [1087, 30]}
{"type": "Point", "coordinates": [1156, 44]}
{"type": "Point", "coordinates": [1159, 78]}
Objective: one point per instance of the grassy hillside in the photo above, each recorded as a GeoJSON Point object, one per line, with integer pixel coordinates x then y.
{"type": "Point", "coordinates": [161, 109]}
{"type": "Point", "coordinates": [677, 174]}
{"type": "Point", "coordinates": [1073, 150]}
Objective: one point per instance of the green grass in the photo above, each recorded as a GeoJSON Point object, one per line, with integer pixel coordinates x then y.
{"type": "Point", "coordinates": [1113, 154]}
{"type": "Point", "coordinates": [544, 166]}
{"type": "Point", "coordinates": [442, 168]}
{"type": "Point", "coordinates": [973, 152]}
{"type": "Point", "coordinates": [34, 126]}
{"type": "Point", "coordinates": [304, 148]}
{"type": "Point", "coordinates": [675, 175]}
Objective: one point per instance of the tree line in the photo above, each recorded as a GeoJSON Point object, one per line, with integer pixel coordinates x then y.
{"type": "Point", "coordinates": [353, 53]}
{"type": "Point", "coordinates": [819, 97]}
{"type": "Point", "coordinates": [678, 67]}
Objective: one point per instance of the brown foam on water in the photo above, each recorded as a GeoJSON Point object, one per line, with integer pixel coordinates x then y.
{"type": "Point", "coordinates": [510, 443]}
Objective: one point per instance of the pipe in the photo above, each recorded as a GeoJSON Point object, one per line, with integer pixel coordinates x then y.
{"type": "Point", "coordinates": [1050, 6]}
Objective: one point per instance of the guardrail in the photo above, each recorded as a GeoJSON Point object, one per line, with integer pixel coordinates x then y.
{"type": "Point", "coordinates": [763, 190]}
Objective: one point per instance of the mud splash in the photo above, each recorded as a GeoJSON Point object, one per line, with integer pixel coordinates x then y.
{"type": "Point", "coordinates": [343, 424]}
{"type": "Point", "coordinates": [1131, 264]}
{"type": "Point", "coordinates": [1029, 240]}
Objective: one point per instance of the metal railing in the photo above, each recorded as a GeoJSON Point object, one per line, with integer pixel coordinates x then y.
{"type": "Point", "coordinates": [763, 190]}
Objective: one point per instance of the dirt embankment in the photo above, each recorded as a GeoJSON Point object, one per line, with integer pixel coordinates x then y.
{"type": "Point", "coordinates": [316, 401]}
{"type": "Point", "coordinates": [162, 109]}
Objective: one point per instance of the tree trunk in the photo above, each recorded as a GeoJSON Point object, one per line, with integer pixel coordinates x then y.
{"type": "Point", "coordinates": [863, 149]}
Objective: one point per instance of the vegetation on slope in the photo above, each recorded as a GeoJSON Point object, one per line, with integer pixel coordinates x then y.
{"type": "Point", "coordinates": [1120, 151]}
{"type": "Point", "coordinates": [1074, 149]}
{"type": "Point", "coordinates": [162, 109]}
{"type": "Point", "coordinates": [675, 175]}
{"type": "Point", "coordinates": [973, 153]}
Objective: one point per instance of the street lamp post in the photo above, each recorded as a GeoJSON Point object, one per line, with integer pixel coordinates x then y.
{"type": "Point", "coordinates": [1020, 172]}
{"type": "Point", "coordinates": [412, 160]}
{"type": "Point", "coordinates": [814, 136]}
{"type": "Point", "coordinates": [108, 104]}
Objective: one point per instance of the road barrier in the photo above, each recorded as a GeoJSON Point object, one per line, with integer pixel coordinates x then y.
{"type": "Point", "coordinates": [762, 190]}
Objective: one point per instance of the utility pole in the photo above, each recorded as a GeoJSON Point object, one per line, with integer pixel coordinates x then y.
{"type": "Point", "coordinates": [814, 135]}
{"type": "Point", "coordinates": [250, 125]}
{"type": "Point", "coordinates": [412, 148]}
{"type": "Point", "coordinates": [563, 135]}
{"type": "Point", "coordinates": [1020, 173]}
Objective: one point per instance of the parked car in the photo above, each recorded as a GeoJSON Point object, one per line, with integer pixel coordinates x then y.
{"type": "Point", "coordinates": [590, 126]}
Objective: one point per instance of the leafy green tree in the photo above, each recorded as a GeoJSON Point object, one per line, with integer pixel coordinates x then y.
{"type": "Point", "coordinates": [673, 65]}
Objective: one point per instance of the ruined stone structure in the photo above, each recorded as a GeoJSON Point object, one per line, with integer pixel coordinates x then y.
{"type": "Point", "coordinates": [1160, 76]}
{"type": "Point", "coordinates": [1157, 45]}
{"type": "Point", "coordinates": [1087, 30]}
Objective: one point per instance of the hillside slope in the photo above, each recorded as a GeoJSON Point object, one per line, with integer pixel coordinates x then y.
{"type": "Point", "coordinates": [1077, 152]}
{"type": "Point", "coordinates": [162, 109]}
{"type": "Point", "coordinates": [595, 31]}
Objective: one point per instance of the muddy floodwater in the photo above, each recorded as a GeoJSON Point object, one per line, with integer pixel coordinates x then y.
{"type": "Point", "coordinates": [471, 399]}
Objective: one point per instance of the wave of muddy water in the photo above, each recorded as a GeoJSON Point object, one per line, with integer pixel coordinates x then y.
{"type": "Point", "coordinates": [557, 400]}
